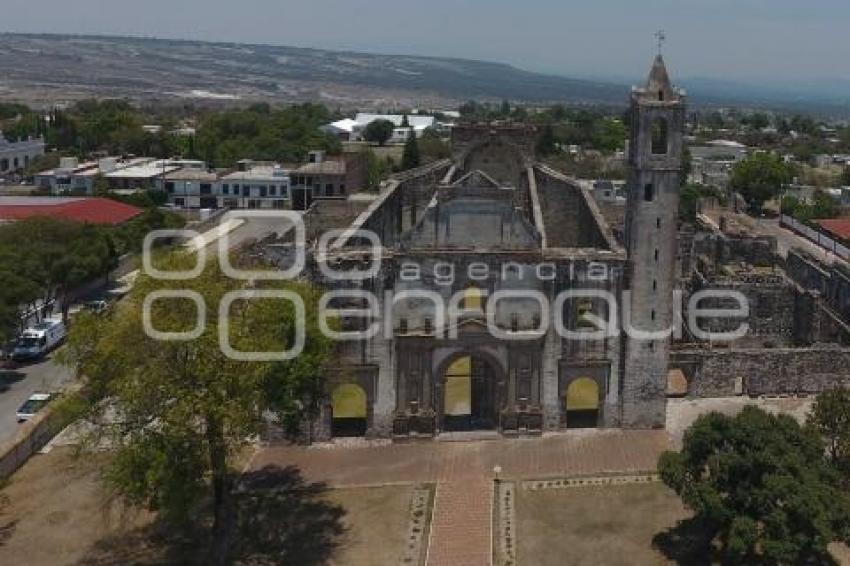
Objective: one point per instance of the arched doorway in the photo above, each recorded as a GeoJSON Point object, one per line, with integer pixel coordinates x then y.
{"type": "Point", "coordinates": [469, 395]}
{"type": "Point", "coordinates": [348, 411]}
{"type": "Point", "coordinates": [582, 403]}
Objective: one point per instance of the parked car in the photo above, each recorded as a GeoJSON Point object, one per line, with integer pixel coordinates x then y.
{"type": "Point", "coordinates": [35, 403]}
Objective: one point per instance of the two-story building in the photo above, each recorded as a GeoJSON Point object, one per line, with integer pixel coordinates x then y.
{"type": "Point", "coordinates": [328, 178]}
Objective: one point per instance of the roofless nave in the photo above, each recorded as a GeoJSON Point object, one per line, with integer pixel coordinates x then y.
{"type": "Point", "coordinates": [495, 214]}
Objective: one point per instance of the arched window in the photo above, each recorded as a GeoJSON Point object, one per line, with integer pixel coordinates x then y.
{"type": "Point", "coordinates": [349, 413]}
{"type": "Point", "coordinates": [458, 393]}
{"type": "Point", "coordinates": [659, 136]}
{"type": "Point", "coordinates": [582, 403]}
{"type": "Point", "coordinates": [473, 299]}
{"type": "Point", "coordinates": [677, 383]}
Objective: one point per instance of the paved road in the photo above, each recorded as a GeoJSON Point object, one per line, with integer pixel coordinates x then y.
{"type": "Point", "coordinates": [18, 384]}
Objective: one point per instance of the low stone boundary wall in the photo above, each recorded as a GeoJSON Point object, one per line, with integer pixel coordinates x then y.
{"type": "Point", "coordinates": [780, 371]}
{"type": "Point", "coordinates": [32, 437]}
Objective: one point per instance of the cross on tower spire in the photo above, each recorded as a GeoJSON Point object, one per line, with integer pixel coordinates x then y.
{"type": "Point", "coordinates": [660, 37]}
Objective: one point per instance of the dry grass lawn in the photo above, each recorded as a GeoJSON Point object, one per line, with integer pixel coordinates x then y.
{"type": "Point", "coordinates": [605, 526]}
{"type": "Point", "coordinates": [59, 514]}
{"type": "Point", "coordinates": [376, 525]}
{"type": "Point", "coordinates": [594, 525]}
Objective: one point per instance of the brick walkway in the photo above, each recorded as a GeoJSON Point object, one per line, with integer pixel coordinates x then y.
{"type": "Point", "coordinates": [461, 526]}
{"type": "Point", "coordinates": [570, 454]}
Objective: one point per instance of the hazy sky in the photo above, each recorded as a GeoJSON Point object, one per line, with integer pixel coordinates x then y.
{"type": "Point", "coordinates": [736, 39]}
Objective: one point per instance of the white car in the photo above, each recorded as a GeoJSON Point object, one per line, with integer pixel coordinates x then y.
{"type": "Point", "coordinates": [35, 403]}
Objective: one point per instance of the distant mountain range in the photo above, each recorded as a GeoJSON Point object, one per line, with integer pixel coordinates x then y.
{"type": "Point", "coordinates": [45, 69]}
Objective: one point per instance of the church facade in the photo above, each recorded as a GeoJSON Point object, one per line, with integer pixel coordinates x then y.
{"type": "Point", "coordinates": [489, 269]}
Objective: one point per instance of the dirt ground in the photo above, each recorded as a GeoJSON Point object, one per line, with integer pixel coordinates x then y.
{"type": "Point", "coordinates": [58, 513]}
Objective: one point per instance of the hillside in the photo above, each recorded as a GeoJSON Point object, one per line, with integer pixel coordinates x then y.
{"type": "Point", "coordinates": [50, 68]}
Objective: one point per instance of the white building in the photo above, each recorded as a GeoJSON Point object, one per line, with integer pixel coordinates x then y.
{"type": "Point", "coordinates": [191, 188]}
{"type": "Point", "coordinates": [15, 156]}
{"type": "Point", "coordinates": [352, 130]}
{"type": "Point", "coordinates": [255, 186]}
{"type": "Point", "coordinates": [252, 186]}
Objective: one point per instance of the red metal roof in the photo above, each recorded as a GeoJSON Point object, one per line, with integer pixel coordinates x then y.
{"type": "Point", "coordinates": [91, 210]}
{"type": "Point", "coordinates": [839, 227]}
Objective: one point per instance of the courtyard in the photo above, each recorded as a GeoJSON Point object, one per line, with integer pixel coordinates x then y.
{"type": "Point", "coordinates": [582, 497]}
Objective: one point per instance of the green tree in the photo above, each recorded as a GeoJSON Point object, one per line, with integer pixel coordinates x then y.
{"type": "Point", "coordinates": [410, 157]}
{"type": "Point", "coordinates": [42, 163]}
{"type": "Point", "coordinates": [100, 185]}
{"type": "Point", "coordinates": [505, 109]}
{"type": "Point", "coordinates": [379, 131]}
{"type": "Point", "coordinates": [56, 256]}
{"type": "Point", "coordinates": [432, 146]}
{"type": "Point", "coordinates": [830, 417]}
{"type": "Point", "coordinates": [759, 178]}
{"type": "Point", "coordinates": [546, 142]}
{"type": "Point", "coordinates": [689, 199]}
{"type": "Point", "coordinates": [822, 206]}
{"type": "Point", "coordinates": [377, 170]}
{"type": "Point", "coordinates": [758, 121]}
{"type": "Point", "coordinates": [180, 413]}
{"type": "Point", "coordinates": [760, 486]}
{"type": "Point", "coordinates": [16, 292]}
{"type": "Point", "coordinates": [470, 110]}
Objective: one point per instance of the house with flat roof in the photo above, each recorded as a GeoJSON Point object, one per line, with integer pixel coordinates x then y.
{"type": "Point", "coordinates": [324, 177]}
{"type": "Point", "coordinates": [190, 188]}
{"type": "Point", "coordinates": [255, 186]}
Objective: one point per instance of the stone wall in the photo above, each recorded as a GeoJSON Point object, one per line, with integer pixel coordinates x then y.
{"type": "Point", "coordinates": [833, 283]}
{"type": "Point", "coordinates": [786, 371]}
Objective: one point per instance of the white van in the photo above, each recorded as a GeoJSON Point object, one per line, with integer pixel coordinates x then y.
{"type": "Point", "coordinates": [40, 339]}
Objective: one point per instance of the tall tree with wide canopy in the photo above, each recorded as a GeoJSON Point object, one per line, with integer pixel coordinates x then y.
{"type": "Point", "coordinates": [761, 486]}
{"type": "Point", "coordinates": [179, 413]}
{"type": "Point", "coordinates": [379, 131]}
{"type": "Point", "coordinates": [760, 178]}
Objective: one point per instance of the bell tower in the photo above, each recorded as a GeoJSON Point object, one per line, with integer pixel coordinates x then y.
{"type": "Point", "coordinates": [655, 159]}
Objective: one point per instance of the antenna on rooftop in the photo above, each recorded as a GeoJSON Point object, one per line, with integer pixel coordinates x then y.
{"type": "Point", "coordinates": [660, 37]}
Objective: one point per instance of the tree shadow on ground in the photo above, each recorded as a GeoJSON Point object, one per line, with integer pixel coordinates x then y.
{"type": "Point", "coordinates": [688, 543]}
{"type": "Point", "coordinates": [8, 377]}
{"type": "Point", "coordinates": [279, 519]}
{"type": "Point", "coordinates": [284, 520]}
{"type": "Point", "coordinates": [691, 543]}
